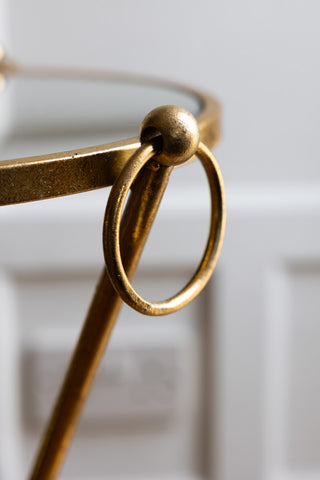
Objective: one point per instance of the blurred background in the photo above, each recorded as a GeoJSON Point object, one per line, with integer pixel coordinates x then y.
{"type": "Point", "coordinates": [228, 388]}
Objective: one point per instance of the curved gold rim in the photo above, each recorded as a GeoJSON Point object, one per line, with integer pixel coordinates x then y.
{"type": "Point", "coordinates": [111, 235]}
{"type": "Point", "coordinates": [74, 171]}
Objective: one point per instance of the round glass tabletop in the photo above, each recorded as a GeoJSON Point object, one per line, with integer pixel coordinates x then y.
{"type": "Point", "coordinates": [91, 118]}
{"type": "Point", "coordinates": [43, 114]}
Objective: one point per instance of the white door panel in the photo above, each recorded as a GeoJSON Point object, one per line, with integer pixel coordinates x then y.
{"type": "Point", "coordinates": [268, 414]}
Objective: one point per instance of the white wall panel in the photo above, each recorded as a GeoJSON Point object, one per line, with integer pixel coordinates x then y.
{"type": "Point", "coordinates": [10, 393]}
{"type": "Point", "coordinates": [268, 317]}
{"type": "Point", "coordinates": [292, 395]}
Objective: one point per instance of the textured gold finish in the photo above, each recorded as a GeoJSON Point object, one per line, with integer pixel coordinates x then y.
{"type": "Point", "coordinates": [178, 130]}
{"type": "Point", "coordinates": [74, 171]}
{"type": "Point", "coordinates": [54, 175]}
{"type": "Point", "coordinates": [111, 243]}
{"type": "Point", "coordinates": [98, 326]}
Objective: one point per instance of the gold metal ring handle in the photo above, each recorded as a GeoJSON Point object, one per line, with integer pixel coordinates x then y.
{"type": "Point", "coordinates": [111, 236]}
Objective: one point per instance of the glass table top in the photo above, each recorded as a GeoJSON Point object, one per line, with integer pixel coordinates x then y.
{"type": "Point", "coordinates": [45, 115]}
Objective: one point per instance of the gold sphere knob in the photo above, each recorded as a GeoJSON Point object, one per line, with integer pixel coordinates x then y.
{"type": "Point", "coordinates": [178, 131]}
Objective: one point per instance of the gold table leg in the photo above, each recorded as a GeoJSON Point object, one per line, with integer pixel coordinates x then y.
{"type": "Point", "coordinates": [141, 209]}
{"type": "Point", "coordinates": [170, 134]}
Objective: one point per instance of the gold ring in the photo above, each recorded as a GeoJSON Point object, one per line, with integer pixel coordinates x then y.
{"type": "Point", "coordinates": [111, 234]}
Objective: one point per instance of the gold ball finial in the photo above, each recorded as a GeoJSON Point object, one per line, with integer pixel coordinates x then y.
{"type": "Point", "coordinates": [178, 131]}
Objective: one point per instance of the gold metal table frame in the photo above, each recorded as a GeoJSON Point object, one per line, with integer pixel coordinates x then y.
{"type": "Point", "coordinates": [136, 164]}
